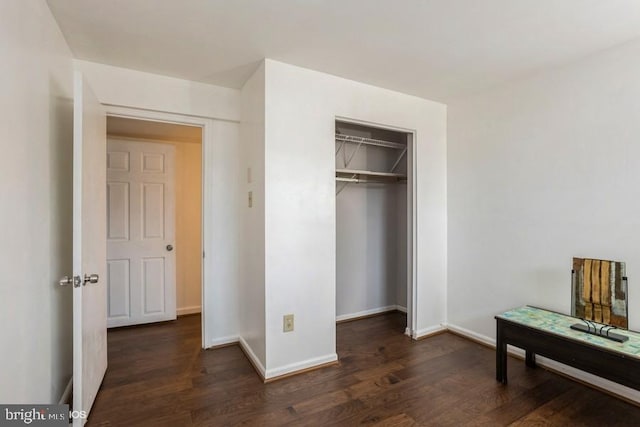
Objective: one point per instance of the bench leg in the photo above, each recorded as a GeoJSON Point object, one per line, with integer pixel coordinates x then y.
{"type": "Point", "coordinates": [501, 357]}
{"type": "Point", "coordinates": [530, 359]}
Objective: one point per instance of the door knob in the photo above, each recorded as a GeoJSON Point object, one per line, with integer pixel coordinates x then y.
{"type": "Point", "coordinates": [93, 278]}
{"type": "Point", "coordinates": [169, 248]}
{"type": "Point", "coordinates": [73, 280]}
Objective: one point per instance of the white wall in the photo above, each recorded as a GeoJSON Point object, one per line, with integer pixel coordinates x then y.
{"type": "Point", "coordinates": [151, 93]}
{"type": "Point", "coordinates": [35, 208]}
{"type": "Point", "coordinates": [366, 249]}
{"type": "Point", "coordinates": [252, 264]}
{"type": "Point", "coordinates": [138, 89]}
{"type": "Point", "coordinates": [541, 171]}
{"type": "Point", "coordinates": [400, 243]}
{"type": "Point", "coordinates": [301, 107]}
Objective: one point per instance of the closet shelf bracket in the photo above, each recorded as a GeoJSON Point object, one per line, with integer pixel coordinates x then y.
{"type": "Point", "coordinates": [395, 165]}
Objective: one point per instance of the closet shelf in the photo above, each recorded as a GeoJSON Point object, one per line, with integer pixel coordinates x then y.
{"type": "Point", "coordinates": [369, 141]}
{"type": "Point", "coordinates": [370, 173]}
{"type": "Point", "coordinates": [356, 175]}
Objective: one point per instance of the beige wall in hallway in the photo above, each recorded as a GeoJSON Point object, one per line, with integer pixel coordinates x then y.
{"type": "Point", "coordinates": [188, 227]}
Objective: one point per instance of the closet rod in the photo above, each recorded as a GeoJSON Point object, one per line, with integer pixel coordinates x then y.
{"type": "Point", "coordinates": [369, 141]}
{"type": "Point", "coordinates": [356, 180]}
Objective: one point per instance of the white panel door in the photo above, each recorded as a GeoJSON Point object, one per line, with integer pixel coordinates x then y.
{"type": "Point", "coordinates": [141, 273]}
{"type": "Point", "coordinates": [89, 248]}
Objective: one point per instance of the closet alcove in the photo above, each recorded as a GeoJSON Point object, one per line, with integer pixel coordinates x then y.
{"type": "Point", "coordinates": [371, 220]}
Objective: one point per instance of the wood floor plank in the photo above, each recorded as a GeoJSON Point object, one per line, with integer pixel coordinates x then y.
{"type": "Point", "coordinates": [400, 420]}
{"type": "Point", "coordinates": [159, 376]}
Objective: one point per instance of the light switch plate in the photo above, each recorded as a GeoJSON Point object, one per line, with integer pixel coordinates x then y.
{"type": "Point", "coordinates": [287, 323]}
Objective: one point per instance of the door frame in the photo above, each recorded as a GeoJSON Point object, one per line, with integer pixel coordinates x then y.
{"type": "Point", "coordinates": [206, 124]}
{"type": "Point", "coordinates": [412, 306]}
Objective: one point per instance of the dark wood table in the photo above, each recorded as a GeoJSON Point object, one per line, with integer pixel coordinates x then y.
{"type": "Point", "coordinates": [547, 333]}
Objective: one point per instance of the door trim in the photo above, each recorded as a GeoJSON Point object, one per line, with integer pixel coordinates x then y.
{"type": "Point", "coordinates": [206, 145]}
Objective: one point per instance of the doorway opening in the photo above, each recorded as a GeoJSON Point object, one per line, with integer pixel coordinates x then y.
{"type": "Point", "coordinates": [374, 222]}
{"type": "Point", "coordinates": [154, 220]}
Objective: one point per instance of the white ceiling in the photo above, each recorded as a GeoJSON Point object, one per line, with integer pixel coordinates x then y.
{"type": "Point", "coordinates": [435, 49]}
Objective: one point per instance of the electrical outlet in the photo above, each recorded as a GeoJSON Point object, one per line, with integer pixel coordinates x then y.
{"type": "Point", "coordinates": [287, 323]}
{"type": "Point", "coordinates": [250, 199]}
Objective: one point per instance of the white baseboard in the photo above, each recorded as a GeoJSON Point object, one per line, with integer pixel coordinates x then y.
{"type": "Point", "coordinates": [188, 310]}
{"type": "Point", "coordinates": [594, 380]}
{"type": "Point", "coordinates": [252, 357]}
{"type": "Point", "coordinates": [66, 394]}
{"type": "Point", "coordinates": [275, 372]}
{"type": "Point", "coordinates": [369, 312]}
{"type": "Point", "coordinates": [300, 366]}
{"type": "Point", "coordinates": [581, 376]}
{"type": "Point", "coordinates": [217, 342]}
{"type": "Point", "coordinates": [482, 339]}
{"type": "Point", "coordinates": [431, 330]}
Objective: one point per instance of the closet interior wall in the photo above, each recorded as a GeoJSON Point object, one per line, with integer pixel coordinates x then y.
{"type": "Point", "coordinates": [371, 226]}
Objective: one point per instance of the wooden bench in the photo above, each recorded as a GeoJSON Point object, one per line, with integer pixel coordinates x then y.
{"type": "Point", "coordinates": [549, 334]}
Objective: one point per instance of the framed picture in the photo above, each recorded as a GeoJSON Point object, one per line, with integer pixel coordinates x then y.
{"type": "Point", "coordinates": [599, 291]}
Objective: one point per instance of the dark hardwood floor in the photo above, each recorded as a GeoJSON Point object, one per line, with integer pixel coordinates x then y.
{"type": "Point", "coordinates": [159, 376]}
